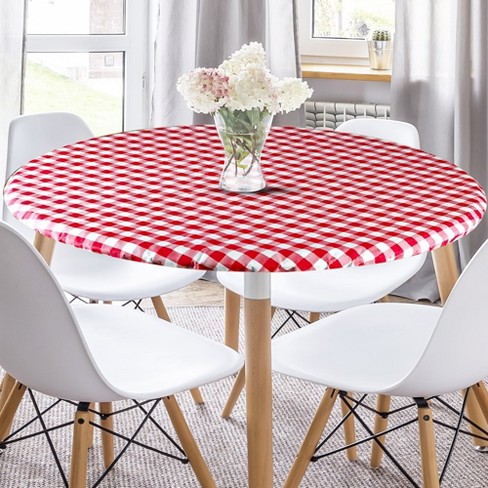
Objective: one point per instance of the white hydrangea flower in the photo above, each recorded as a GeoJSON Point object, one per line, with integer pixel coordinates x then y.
{"type": "Point", "coordinates": [242, 82]}
{"type": "Point", "coordinates": [292, 93]}
{"type": "Point", "coordinates": [252, 88]}
{"type": "Point", "coordinates": [249, 55]}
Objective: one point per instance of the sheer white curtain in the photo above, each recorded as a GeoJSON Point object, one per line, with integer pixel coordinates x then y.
{"type": "Point", "coordinates": [440, 85]}
{"type": "Point", "coordinates": [202, 33]}
{"type": "Point", "coordinates": [11, 63]}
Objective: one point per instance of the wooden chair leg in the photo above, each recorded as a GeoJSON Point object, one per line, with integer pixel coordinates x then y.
{"type": "Point", "coordinates": [380, 424]}
{"type": "Point", "coordinates": [79, 453]}
{"type": "Point", "coordinates": [240, 380]}
{"type": "Point", "coordinates": [45, 246]}
{"type": "Point", "coordinates": [349, 427]}
{"type": "Point", "coordinates": [232, 309]}
{"type": "Point", "coordinates": [197, 396]}
{"type": "Point", "coordinates": [234, 394]}
{"type": "Point", "coordinates": [311, 439]}
{"type": "Point", "coordinates": [90, 429]}
{"type": "Point", "coordinates": [474, 411]}
{"type": "Point", "coordinates": [10, 407]}
{"type": "Point", "coordinates": [313, 317]}
{"type": "Point", "coordinates": [427, 448]}
{"type": "Point", "coordinates": [481, 395]}
{"type": "Point", "coordinates": [349, 433]}
{"type": "Point", "coordinates": [7, 384]}
{"type": "Point", "coordinates": [162, 313]}
{"type": "Point", "coordinates": [188, 443]}
{"type": "Point", "coordinates": [107, 439]}
{"type": "Point", "coordinates": [273, 311]}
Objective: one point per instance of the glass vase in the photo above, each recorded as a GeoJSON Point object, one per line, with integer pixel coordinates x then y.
{"type": "Point", "coordinates": [243, 134]}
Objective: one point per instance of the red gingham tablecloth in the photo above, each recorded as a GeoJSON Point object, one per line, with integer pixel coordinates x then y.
{"type": "Point", "coordinates": [332, 200]}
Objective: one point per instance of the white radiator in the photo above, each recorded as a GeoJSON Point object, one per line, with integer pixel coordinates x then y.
{"type": "Point", "coordinates": [330, 114]}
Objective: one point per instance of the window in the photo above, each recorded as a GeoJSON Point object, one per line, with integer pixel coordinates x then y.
{"type": "Point", "coordinates": [85, 56]}
{"type": "Point", "coordinates": [334, 30]}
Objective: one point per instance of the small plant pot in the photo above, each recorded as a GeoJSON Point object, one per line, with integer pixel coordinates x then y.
{"type": "Point", "coordinates": [380, 54]}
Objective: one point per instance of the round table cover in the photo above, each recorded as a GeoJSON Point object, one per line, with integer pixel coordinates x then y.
{"type": "Point", "coordinates": [332, 200]}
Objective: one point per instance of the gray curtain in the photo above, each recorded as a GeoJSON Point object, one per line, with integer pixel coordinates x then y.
{"type": "Point", "coordinates": [11, 67]}
{"type": "Point", "coordinates": [202, 33]}
{"type": "Point", "coordinates": [439, 84]}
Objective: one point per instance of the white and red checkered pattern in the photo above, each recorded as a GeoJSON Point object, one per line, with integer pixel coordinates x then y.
{"type": "Point", "coordinates": [332, 200]}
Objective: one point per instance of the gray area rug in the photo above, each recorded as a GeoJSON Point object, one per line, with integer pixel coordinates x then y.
{"type": "Point", "coordinates": [223, 442]}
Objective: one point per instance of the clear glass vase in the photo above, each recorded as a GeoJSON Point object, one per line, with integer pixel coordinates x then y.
{"type": "Point", "coordinates": [243, 134]}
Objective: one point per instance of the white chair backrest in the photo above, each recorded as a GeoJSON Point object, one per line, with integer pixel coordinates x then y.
{"type": "Point", "coordinates": [40, 341]}
{"type": "Point", "coordinates": [456, 357]}
{"type": "Point", "coordinates": [31, 136]}
{"type": "Point", "coordinates": [388, 129]}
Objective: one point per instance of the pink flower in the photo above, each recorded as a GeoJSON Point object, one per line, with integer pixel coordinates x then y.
{"type": "Point", "coordinates": [205, 89]}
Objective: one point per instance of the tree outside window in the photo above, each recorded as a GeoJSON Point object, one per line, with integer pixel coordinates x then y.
{"type": "Point", "coordinates": [351, 19]}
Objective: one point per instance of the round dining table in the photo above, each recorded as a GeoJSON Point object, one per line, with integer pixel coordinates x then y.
{"type": "Point", "coordinates": [332, 200]}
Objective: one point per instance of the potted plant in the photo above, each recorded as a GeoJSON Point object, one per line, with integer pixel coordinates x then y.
{"type": "Point", "coordinates": [380, 49]}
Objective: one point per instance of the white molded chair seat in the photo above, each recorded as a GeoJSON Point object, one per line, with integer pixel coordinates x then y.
{"type": "Point", "coordinates": [149, 357]}
{"type": "Point", "coordinates": [331, 290]}
{"type": "Point", "coordinates": [83, 273]}
{"type": "Point", "coordinates": [408, 350]}
{"type": "Point", "coordinates": [95, 353]}
{"type": "Point", "coordinates": [397, 331]}
{"type": "Point", "coordinates": [100, 277]}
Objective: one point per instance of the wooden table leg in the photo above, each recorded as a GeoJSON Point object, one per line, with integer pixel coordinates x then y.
{"type": "Point", "coordinates": [447, 273]}
{"type": "Point", "coordinates": [257, 317]}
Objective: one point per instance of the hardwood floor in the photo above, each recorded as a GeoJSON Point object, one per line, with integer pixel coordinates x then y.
{"type": "Point", "coordinates": [211, 294]}
{"type": "Point", "coordinates": [201, 293]}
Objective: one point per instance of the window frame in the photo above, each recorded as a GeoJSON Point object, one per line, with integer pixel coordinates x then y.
{"type": "Point", "coordinates": [327, 51]}
{"type": "Point", "coordinates": [132, 44]}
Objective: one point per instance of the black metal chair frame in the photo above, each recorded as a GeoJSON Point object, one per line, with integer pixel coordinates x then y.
{"type": "Point", "coordinates": [83, 406]}
{"type": "Point", "coordinates": [353, 405]}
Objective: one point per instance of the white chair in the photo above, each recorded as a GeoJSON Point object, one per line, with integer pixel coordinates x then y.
{"type": "Point", "coordinates": [423, 353]}
{"type": "Point", "coordinates": [331, 290]}
{"type": "Point", "coordinates": [82, 273]}
{"type": "Point", "coordinates": [96, 353]}
{"type": "Point", "coordinates": [388, 129]}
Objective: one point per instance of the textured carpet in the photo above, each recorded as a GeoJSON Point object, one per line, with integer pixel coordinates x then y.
{"type": "Point", "coordinates": [223, 442]}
